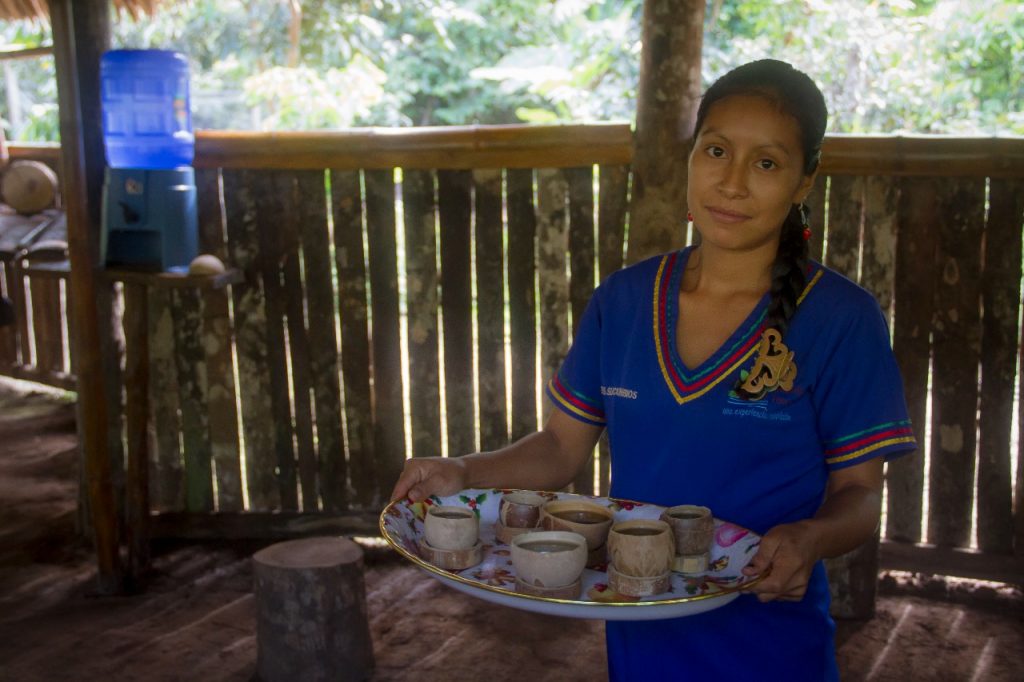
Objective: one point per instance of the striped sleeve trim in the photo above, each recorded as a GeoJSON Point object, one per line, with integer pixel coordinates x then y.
{"type": "Point", "coordinates": [574, 403]}
{"type": "Point", "coordinates": [883, 440]}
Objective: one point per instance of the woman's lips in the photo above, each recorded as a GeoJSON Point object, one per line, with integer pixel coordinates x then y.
{"type": "Point", "coordinates": [722, 215]}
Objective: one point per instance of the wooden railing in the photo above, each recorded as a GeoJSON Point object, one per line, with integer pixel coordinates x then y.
{"type": "Point", "coordinates": [34, 347]}
{"type": "Point", "coordinates": [405, 291]}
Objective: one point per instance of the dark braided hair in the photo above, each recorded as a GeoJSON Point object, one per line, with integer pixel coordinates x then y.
{"type": "Point", "coordinates": [797, 95]}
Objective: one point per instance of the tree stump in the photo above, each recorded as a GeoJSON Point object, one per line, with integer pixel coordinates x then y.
{"type": "Point", "coordinates": [311, 611]}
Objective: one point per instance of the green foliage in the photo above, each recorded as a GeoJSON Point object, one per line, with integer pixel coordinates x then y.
{"type": "Point", "coordinates": [32, 116]}
{"type": "Point", "coordinates": [940, 66]}
{"type": "Point", "coordinates": [923, 66]}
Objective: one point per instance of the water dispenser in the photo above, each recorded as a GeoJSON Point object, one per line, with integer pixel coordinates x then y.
{"type": "Point", "coordinates": [149, 195]}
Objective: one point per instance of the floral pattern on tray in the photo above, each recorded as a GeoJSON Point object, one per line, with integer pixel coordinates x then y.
{"type": "Point", "coordinates": [733, 548]}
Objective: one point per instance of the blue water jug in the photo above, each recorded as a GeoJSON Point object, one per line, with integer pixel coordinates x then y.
{"type": "Point", "coordinates": [145, 102]}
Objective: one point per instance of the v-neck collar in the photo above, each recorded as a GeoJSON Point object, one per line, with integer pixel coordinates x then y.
{"type": "Point", "coordinates": [688, 384]}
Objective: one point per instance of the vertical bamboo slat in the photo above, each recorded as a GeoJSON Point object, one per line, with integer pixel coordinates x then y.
{"type": "Point", "coordinates": [297, 345]}
{"type": "Point", "coordinates": [845, 211]}
{"type": "Point", "coordinates": [420, 209]}
{"type": "Point", "coordinates": [109, 307]}
{"type": "Point", "coordinates": [273, 188]}
{"type": "Point", "coordinates": [322, 338]}
{"type": "Point", "coordinates": [1018, 485]}
{"type": "Point", "coordinates": [956, 347]}
{"type": "Point", "coordinates": [167, 471]}
{"type": "Point", "coordinates": [1000, 283]}
{"type": "Point", "coordinates": [389, 423]}
{"type": "Point", "coordinates": [16, 287]}
{"type": "Point", "coordinates": [853, 576]}
{"type": "Point", "coordinates": [581, 283]}
{"type": "Point", "coordinates": [8, 334]}
{"type": "Point", "coordinates": [217, 344]}
{"type": "Point", "coordinates": [816, 203]}
{"type": "Point", "coordinates": [613, 199]}
{"type": "Point", "coordinates": [914, 306]}
{"type": "Point", "coordinates": [455, 211]}
{"type": "Point", "coordinates": [878, 261]}
{"type": "Point", "coordinates": [522, 232]}
{"type": "Point", "coordinates": [490, 310]}
{"type": "Point", "coordinates": [553, 281]}
{"type": "Point", "coordinates": [47, 325]}
{"type": "Point", "coordinates": [195, 427]}
{"type": "Point", "coordinates": [136, 376]}
{"type": "Point", "coordinates": [346, 204]}
{"type": "Point", "coordinates": [240, 209]}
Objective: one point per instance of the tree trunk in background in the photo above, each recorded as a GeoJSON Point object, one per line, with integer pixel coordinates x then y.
{"type": "Point", "coordinates": [666, 108]}
{"type": "Point", "coordinates": [294, 32]}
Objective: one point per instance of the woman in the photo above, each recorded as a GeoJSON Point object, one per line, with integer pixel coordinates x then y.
{"type": "Point", "coordinates": [735, 375]}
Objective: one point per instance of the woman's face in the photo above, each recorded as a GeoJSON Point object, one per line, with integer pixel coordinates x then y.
{"type": "Point", "coordinates": [746, 171]}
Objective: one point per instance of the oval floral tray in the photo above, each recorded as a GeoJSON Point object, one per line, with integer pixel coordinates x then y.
{"type": "Point", "coordinates": [493, 579]}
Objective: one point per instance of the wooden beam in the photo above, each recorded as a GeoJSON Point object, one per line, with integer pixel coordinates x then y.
{"type": "Point", "coordinates": [35, 151]}
{"type": "Point", "coordinates": [959, 563]}
{"type": "Point", "coordinates": [454, 147]}
{"type": "Point", "coordinates": [27, 53]}
{"type": "Point", "coordinates": [562, 146]}
{"type": "Point", "coordinates": [929, 155]}
{"type": "Point", "coordinates": [522, 146]}
{"type": "Point", "coordinates": [83, 293]}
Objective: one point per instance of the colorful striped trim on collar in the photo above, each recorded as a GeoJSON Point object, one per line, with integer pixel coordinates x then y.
{"type": "Point", "coordinates": [575, 403]}
{"type": "Point", "coordinates": [688, 385]}
{"type": "Point", "coordinates": [859, 444]}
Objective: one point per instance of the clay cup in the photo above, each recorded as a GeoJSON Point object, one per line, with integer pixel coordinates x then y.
{"type": "Point", "coordinates": [641, 548]}
{"type": "Point", "coordinates": [549, 558]}
{"type": "Point", "coordinates": [451, 528]}
{"type": "Point", "coordinates": [590, 520]}
{"type": "Point", "coordinates": [520, 509]}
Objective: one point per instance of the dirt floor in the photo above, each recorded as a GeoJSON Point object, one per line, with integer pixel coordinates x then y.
{"type": "Point", "coordinates": [196, 618]}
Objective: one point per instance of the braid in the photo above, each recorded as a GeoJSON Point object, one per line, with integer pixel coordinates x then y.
{"type": "Point", "coordinates": [788, 273]}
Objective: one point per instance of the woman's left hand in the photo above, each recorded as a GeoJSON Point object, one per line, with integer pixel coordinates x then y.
{"type": "Point", "coordinates": [787, 554]}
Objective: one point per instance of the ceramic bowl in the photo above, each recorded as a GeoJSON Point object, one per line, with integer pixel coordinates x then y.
{"type": "Point", "coordinates": [590, 520]}
{"type": "Point", "coordinates": [549, 558]}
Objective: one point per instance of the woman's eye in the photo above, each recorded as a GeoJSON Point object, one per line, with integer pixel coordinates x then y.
{"type": "Point", "coordinates": [715, 152]}
{"type": "Point", "coordinates": [766, 164]}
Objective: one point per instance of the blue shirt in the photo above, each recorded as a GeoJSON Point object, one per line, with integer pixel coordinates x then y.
{"type": "Point", "coordinates": [682, 435]}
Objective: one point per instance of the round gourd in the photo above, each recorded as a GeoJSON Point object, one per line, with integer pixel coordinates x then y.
{"type": "Point", "coordinates": [29, 186]}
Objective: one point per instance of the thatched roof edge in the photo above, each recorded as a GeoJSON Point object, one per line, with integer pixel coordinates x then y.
{"type": "Point", "coordinates": [11, 10]}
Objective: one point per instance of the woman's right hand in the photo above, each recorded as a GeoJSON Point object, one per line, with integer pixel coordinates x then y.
{"type": "Point", "coordinates": [426, 476]}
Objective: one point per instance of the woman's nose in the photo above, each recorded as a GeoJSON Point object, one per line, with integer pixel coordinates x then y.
{"type": "Point", "coordinates": [733, 182]}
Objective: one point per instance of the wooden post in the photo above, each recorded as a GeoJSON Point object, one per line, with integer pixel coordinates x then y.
{"type": "Point", "coordinates": [70, 31]}
{"type": "Point", "coordinates": [136, 371]}
{"type": "Point", "coordinates": [669, 90]}
{"type": "Point", "coordinates": [311, 611]}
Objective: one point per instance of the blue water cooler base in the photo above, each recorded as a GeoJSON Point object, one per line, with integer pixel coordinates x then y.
{"type": "Point", "coordinates": [149, 218]}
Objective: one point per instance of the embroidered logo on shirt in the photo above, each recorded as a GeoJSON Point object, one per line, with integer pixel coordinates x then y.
{"type": "Point", "coordinates": [773, 368]}
{"type": "Point", "coordinates": [618, 392]}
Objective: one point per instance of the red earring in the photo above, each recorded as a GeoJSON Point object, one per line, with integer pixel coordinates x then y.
{"type": "Point", "coordinates": [805, 219]}
{"type": "Point", "coordinates": [689, 217]}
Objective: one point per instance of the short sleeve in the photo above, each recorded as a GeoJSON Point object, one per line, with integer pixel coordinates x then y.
{"type": "Point", "coordinates": [861, 410]}
{"type": "Point", "coordinates": [576, 387]}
